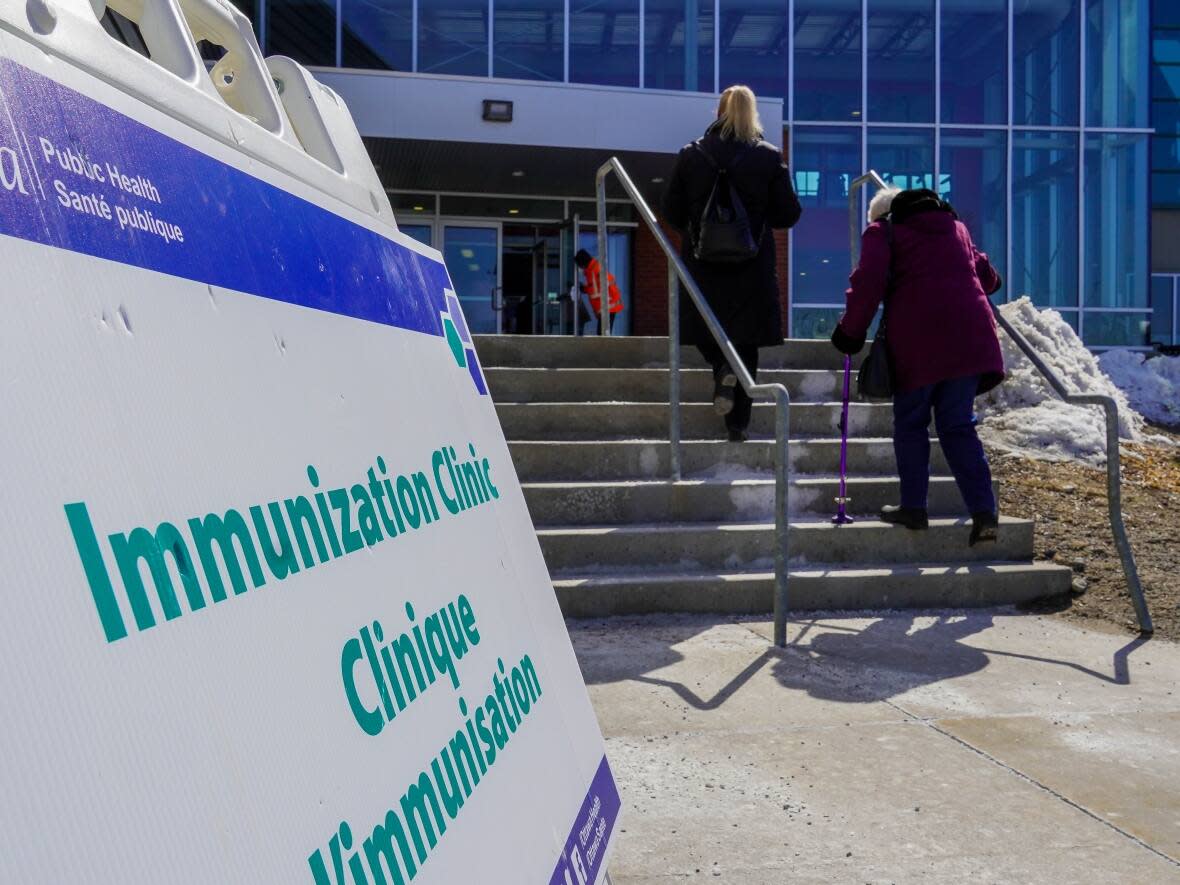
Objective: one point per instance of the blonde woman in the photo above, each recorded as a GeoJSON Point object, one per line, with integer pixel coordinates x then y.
{"type": "Point", "coordinates": [742, 286]}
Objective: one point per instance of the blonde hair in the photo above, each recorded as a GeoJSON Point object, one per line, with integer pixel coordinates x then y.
{"type": "Point", "coordinates": [882, 202]}
{"type": "Point", "coordinates": [737, 112]}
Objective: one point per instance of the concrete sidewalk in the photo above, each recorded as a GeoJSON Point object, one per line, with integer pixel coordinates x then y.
{"type": "Point", "coordinates": [980, 747]}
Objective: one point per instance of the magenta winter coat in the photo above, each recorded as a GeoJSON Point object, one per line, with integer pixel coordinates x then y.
{"type": "Point", "coordinates": [940, 322]}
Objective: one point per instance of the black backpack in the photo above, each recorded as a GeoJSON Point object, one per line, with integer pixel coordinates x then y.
{"type": "Point", "coordinates": [724, 233]}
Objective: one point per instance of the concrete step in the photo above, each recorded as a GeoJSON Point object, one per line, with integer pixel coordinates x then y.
{"type": "Point", "coordinates": [570, 460]}
{"type": "Point", "coordinates": [715, 500]}
{"type": "Point", "coordinates": [552, 351]}
{"type": "Point", "coordinates": [934, 585]}
{"type": "Point", "coordinates": [680, 547]}
{"type": "Point", "coordinates": [622, 420]}
{"type": "Point", "coordinates": [547, 385]}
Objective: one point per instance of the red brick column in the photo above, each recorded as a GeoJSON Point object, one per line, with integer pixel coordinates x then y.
{"type": "Point", "coordinates": [650, 309]}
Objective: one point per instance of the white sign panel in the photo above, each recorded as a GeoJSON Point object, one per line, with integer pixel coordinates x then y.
{"type": "Point", "coordinates": [274, 609]}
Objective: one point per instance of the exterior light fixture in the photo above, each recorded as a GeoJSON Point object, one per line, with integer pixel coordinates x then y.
{"type": "Point", "coordinates": [497, 111]}
{"type": "Point", "coordinates": [513, 211]}
{"type": "Point", "coordinates": [657, 180]}
{"type": "Point", "coordinates": [419, 208]}
{"type": "Point", "coordinates": [518, 173]}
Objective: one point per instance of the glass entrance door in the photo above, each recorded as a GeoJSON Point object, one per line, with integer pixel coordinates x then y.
{"type": "Point", "coordinates": [472, 254]}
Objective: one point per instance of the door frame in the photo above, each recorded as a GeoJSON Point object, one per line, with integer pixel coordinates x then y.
{"type": "Point", "coordinates": [440, 231]}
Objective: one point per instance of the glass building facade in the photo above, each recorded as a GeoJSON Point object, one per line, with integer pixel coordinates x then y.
{"type": "Point", "coordinates": [1034, 117]}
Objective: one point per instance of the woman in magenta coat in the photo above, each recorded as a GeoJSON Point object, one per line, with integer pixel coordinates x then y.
{"type": "Point", "coordinates": [942, 342]}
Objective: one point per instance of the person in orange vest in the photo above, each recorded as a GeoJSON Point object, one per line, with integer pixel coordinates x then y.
{"type": "Point", "coordinates": [590, 273]}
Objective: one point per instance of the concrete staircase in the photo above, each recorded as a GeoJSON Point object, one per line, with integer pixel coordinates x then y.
{"type": "Point", "coordinates": [586, 420]}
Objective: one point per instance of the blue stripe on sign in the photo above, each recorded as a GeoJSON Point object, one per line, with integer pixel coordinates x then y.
{"type": "Point", "coordinates": [79, 176]}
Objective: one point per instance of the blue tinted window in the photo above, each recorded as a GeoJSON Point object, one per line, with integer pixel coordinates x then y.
{"type": "Point", "coordinates": [903, 157]}
{"type": "Point", "coordinates": [815, 322]}
{"type": "Point", "coordinates": [423, 233]}
{"type": "Point", "coordinates": [604, 42]}
{"type": "Point", "coordinates": [1165, 188]}
{"type": "Point", "coordinates": [377, 34]}
{"type": "Point", "coordinates": [1045, 218]}
{"type": "Point", "coordinates": [1165, 12]}
{"type": "Point", "coordinates": [754, 45]}
{"type": "Point", "coordinates": [453, 37]}
{"type": "Point", "coordinates": [1165, 153]}
{"type": "Point", "coordinates": [679, 56]}
{"type": "Point", "coordinates": [1165, 81]}
{"type": "Point", "coordinates": [1165, 47]}
{"type": "Point", "coordinates": [1117, 209]}
{"type": "Point", "coordinates": [1117, 329]}
{"type": "Point", "coordinates": [824, 161]}
{"type": "Point", "coordinates": [1163, 310]}
{"type": "Point", "coordinates": [1045, 67]}
{"type": "Point", "coordinates": [974, 61]}
{"type": "Point", "coordinates": [1117, 55]}
{"type": "Point", "coordinates": [1165, 117]}
{"type": "Point", "coordinates": [304, 30]}
{"type": "Point", "coordinates": [528, 40]}
{"type": "Point", "coordinates": [827, 60]}
{"type": "Point", "coordinates": [901, 61]}
{"type": "Point", "coordinates": [973, 177]}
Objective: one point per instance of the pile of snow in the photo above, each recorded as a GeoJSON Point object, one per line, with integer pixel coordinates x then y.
{"type": "Point", "coordinates": [1151, 383]}
{"type": "Point", "coordinates": [1024, 415]}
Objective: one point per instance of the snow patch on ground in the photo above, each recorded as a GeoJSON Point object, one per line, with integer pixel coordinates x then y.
{"type": "Point", "coordinates": [1151, 383]}
{"type": "Point", "coordinates": [1025, 416]}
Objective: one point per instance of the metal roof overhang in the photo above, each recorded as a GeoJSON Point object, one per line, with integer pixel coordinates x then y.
{"type": "Point", "coordinates": [426, 133]}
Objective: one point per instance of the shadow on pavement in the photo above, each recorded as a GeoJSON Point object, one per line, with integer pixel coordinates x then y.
{"type": "Point", "coordinates": [894, 654]}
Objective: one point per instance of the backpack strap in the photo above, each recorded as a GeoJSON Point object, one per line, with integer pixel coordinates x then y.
{"type": "Point", "coordinates": [717, 167]}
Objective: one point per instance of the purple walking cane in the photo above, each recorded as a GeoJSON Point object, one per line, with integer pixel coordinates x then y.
{"type": "Point", "coordinates": [842, 517]}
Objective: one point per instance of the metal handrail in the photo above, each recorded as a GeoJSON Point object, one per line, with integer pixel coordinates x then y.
{"type": "Point", "coordinates": [678, 274]}
{"type": "Point", "coordinates": [1110, 408]}
{"type": "Point", "coordinates": [1114, 497]}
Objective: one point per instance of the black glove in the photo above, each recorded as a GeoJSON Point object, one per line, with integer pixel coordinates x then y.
{"type": "Point", "coordinates": [846, 343]}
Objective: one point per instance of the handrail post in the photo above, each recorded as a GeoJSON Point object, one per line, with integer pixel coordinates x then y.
{"type": "Point", "coordinates": [673, 372]}
{"type": "Point", "coordinates": [1114, 504]}
{"type": "Point", "coordinates": [603, 273]}
{"type": "Point", "coordinates": [782, 513]}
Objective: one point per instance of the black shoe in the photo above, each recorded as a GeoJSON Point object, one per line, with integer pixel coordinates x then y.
{"type": "Point", "coordinates": [984, 527]}
{"type": "Point", "coordinates": [910, 517]}
{"type": "Point", "coordinates": [738, 436]}
{"type": "Point", "coordinates": [724, 385]}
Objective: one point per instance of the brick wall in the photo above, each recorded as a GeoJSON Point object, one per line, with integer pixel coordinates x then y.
{"type": "Point", "coordinates": [650, 310]}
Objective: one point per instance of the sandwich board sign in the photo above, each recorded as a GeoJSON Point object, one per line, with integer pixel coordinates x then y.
{"type": "Point", "coordinates": [274, 608]}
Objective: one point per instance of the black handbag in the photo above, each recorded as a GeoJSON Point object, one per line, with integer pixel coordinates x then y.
{"type": "Point", "coordinates": [875, 378]}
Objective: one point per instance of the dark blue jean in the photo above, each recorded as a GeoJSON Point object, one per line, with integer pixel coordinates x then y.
{"type": "Point", "coordinates": [953, 405]}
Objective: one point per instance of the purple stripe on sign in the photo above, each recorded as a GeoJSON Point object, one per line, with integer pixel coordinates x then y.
{"type": "Point", "coordinates": [583, 858]}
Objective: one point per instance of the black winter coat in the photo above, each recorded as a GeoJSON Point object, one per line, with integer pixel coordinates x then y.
{"type": "Point", "coordinates": [745, 295]}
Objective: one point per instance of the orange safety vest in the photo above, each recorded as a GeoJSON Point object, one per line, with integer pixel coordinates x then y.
{"type": "Point", "coordinates": [590, 272]}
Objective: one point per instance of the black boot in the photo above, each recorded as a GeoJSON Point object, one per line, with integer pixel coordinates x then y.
{"type": "Point", "coordinates": [910, 517]}
{"type": "Point", "coordinates": [985, 526]}
{"type": "Point", "coordinates": [736, 435]}
{"type": "Point", "coordinates": [724, 384]}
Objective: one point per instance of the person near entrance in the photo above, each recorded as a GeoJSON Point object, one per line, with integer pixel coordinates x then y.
{"type": "Point", "coordinates": [589, 266]}
{"type": "Point", "coordinates": [727, 192]}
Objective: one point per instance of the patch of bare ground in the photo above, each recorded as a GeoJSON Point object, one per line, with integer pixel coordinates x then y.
{"type": "Point", "coordinates": [1068, 502]}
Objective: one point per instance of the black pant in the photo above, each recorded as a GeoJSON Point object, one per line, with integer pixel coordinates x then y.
{"type": "Point", "coordinates": [584, 316]}
{"type": "Point", "coordinates": [739, 417]}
